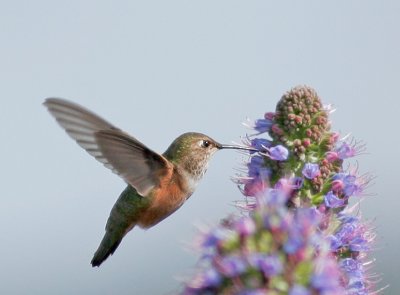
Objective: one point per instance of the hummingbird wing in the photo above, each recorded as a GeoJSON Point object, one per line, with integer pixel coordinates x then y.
{"type": "Point", "coordinates": [123, 154]}
{"type": "Point", "coordinates": [133, 161]}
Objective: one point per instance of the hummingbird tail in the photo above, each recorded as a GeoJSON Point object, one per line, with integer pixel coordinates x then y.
{"type": "Point", "coordinates": [108, 245]}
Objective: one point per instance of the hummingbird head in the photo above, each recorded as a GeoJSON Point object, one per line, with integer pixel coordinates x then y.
{"type": "Point", "coordinates": [192, 151]}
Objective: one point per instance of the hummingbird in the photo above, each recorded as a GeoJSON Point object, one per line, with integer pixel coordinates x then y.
{"type": "Point", "coordinates": [157, 184]}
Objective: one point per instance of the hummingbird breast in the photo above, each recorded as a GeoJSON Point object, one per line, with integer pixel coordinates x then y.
{"type": "Point", "coordinates": [173, 191]}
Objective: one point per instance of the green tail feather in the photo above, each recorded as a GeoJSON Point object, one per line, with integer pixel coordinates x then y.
{"type": "Point", "coordinates": [123, 218]}
{"type": "Point", "coordinates": [108, 245]}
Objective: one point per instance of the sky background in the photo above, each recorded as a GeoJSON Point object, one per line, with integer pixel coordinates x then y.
{"type": "Point", "coordinates": [157, 69]}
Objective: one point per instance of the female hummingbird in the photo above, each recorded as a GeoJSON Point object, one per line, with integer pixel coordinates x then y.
{"type": "Point", "coordinates": [157, 185]}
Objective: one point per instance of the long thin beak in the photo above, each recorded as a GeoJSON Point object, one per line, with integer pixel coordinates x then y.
{"type": "Point", "coordinates": [236, 147]}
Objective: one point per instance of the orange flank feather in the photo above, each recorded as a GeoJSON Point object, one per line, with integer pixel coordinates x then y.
{"type": "Point", "coordinates": [166, 199]}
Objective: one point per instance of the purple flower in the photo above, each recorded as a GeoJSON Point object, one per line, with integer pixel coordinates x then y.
{"type": "Point", "coordinates": [269, 264]}
{"type": "Point", "coordinates": [213, 237]}
{"type": "Point", "coordinates": [276, 222]}
{"type": "Point", "coordinates": [211, 278]}
{"type": "Point", "coordinates": [269, 116]}
{"type": "Point", "coordinates": [351, 235]}
{"type": "Point", "coordinates": [260, 144]}
{"type": "Point", "coordinates": [307, 218]}
{"type": "Point", "coordinates": [278, 153]}
{"type": "Point", "coordinates": [311, 170]}
{"type": "Point", "coordinates": [332, 201]}
{"type": "Point", "coordinates": [332, 156]}
{"type": "Point", "coordinates": [255, 164]}
{"type": "Point", "coordinates": [253, 187]}
{"type": "Point", "coordinates": [245, 226]}
{"type": "Point", "coordinates": [346, 151]}
{"type": "Point", "coordinates": [282, 245]}
{"type": "Point", "coordinates": [262, 125]}
{"type": "Point", "coordinates": [325, 278]}
{"type": "Point", "coordinates": [288, 185]}
{"type": "Point", "coordinates": [297, 182]}
{"type": "Point", "coordinates": [345, 233]}
{"type": "Point", "coordinates": [357, 288]}
{"type": "Point", "coordinates": [352, 267]}
{"type": "Point", "coordinates": [253, 292]}
{"type": "Point", "coordinates": [294, 243]}
{"type": "Point", "coordinates": [359, 244]}
{"type": "Point", "coordinates": [348, 183]}
{"type": "Point", "coordinates": [352, 189]}
{"type": "Point", "coordinates": [258, 176]}
{"type": "Point", "coordinates": [334, 242]}
{"type": "Point", "coordinates": [232, 265]}
{"type": "Point", "coordinates": [299, 290]}
{"type": "Point", "coordinates": [257, 169]}
{"type": "Point", "coordinates": [346, 218]}
{"type": "Point", "coordinates": [276, 197]}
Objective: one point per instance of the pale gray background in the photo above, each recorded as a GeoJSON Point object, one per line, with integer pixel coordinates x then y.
{"type": "Point", "coordinates": [157, 69]}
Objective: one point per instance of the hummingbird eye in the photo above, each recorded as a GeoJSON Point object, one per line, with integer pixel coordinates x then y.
{"type": "Point", "coordinates": [205, 144]}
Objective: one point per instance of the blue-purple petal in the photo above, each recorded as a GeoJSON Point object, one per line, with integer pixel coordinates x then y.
{"type": "Point", "coordinates": [279, 153]}
{"type": "Point", "coordinates": [262, 125]}
{"type": "Point", "coordinates": [332, 201]}
{"type": "Point", "coordinates": [311, 170]}
{"type": "Point", "coordinates": [299, 290]}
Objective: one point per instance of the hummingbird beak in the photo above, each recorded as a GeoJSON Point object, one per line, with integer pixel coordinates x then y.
{"type": "Point", "coordinates": [236, 147]}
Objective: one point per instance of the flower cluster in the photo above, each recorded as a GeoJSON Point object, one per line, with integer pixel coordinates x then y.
{"type": "Point", "coordinates": [298, 235]}
{"type": "Point", "coordinates": [271, 251]}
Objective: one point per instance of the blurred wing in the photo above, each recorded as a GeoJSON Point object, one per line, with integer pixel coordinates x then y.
{"type": "Point", "coordinates": [124, 155]}
{"type": "Point", "coordinates": [132, 160]}
{"type": "Point", "coordinates": [80, 123]}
